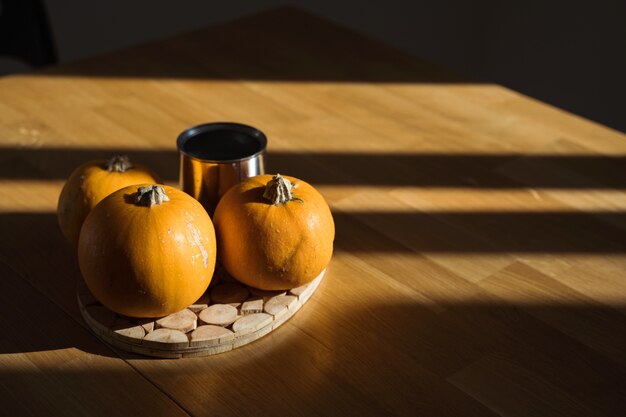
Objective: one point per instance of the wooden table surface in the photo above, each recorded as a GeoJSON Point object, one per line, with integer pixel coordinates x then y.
{"type": "Point", "coordinates": [481, 235]}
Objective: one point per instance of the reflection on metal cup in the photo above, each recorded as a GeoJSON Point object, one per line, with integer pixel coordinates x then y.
{"type": "Point", "coordinates": [216, 156]}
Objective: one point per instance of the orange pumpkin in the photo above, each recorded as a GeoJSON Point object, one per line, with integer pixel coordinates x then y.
{"type": "Point", "coordinates": [89, 184]}
{"type": "Point", "coordinates": [147, 251]}
{"type": "Point", "coordinates": [274, 233]}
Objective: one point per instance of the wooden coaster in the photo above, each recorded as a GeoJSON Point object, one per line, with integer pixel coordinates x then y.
{"type": "Point", "coordinates": [227, 316]}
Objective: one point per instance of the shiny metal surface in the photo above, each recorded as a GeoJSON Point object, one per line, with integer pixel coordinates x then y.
{"type": "Point", "coordinates": [216, 156]}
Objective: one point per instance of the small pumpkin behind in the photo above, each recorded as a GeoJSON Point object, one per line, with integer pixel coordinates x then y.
{"type": "Point", "coordinates": [147, 251]}
{"type": "Point", "coordinates": [274, 233]}
{"type": "Point", "coordinates": [90, 183]}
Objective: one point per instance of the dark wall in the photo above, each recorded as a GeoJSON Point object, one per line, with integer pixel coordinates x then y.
{"type": "Point", "coordinates": [568, 53]}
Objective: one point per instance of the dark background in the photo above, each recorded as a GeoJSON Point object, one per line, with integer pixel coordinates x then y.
{"type": "Point", "coordinates": [571, 54]}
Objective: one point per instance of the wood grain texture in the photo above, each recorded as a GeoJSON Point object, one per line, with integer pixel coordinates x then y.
{"type": "Point", "coordinates": [480, 255]}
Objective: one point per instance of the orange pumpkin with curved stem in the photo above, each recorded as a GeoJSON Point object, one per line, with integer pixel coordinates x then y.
{"type": "Point", "coordinates": [274, 232]}
{"type": "Point", "coordinates": [147, 251]}
{"type": "Point", "coordinates": [89, 184]}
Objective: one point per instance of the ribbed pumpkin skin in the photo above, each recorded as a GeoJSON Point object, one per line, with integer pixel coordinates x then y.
{"type": "Point", "coordinates": [87, 186]}
{"type": "Point", "coordinates": [273, 247]}
{"type": "Point", "coordinates": [147, 261]}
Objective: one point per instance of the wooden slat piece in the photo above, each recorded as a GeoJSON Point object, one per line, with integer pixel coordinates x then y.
{"type": "Point", "coordinates": [158, 353]}
{"type": "Point", "coordinates": [219, 315]}
{"type": "Point", "coordinates": [299, 290]}
{"type": "Point", "coordinates": [251, 306]}
{"type": "Point", "coordinates": [280, 320]}
{"type": "Point", "coordinates": [184, 320]}
{"type": "Point", "coordinates": [250, 323]}
{"type": "Point", "coordinates": [147, 324]}
{"type": "Point", "coordinates": [209, 335]}
{"type": "Point", "coordinates": [251, 337]}
{"type": "Point", "coordinates": [166, 339]}
{"type": "Point", "coordinates": [129, 331]}
{"type": "Point", "coordinates": [212, 350]}
{"type": "Point", "coordinates": [280, 305]}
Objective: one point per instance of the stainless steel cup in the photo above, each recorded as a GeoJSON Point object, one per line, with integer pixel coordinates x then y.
{"type": "Point", "coordinates": [216, 156]}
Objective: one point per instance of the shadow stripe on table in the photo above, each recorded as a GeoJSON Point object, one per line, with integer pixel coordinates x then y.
{"type": "Point", "coordinates": [372, 169]}
{"type": "Point", "coordinates": [404, 232]}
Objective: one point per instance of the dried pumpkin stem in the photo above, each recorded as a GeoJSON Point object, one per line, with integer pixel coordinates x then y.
{"type": "Point", "coordinates": [118, 163]}
{"type": "Point", "coordinates": [151, 195]}
{"type": "Point", "coordinates": [278, 190]}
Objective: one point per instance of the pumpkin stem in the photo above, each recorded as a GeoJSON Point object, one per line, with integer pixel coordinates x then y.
{"type": "Point", "coordinates": [151, 195]}
{"type": "Point", "coordinates": [278, 190]}
{"type": "Point", "coordinates": [118, 163]}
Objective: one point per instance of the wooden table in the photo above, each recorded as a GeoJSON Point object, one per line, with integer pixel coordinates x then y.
{"type": "Point", "coordinates": [480, 250]}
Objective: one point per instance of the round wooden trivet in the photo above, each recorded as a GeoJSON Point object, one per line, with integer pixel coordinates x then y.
{"type": "Point", "coordinates": [221, 320]}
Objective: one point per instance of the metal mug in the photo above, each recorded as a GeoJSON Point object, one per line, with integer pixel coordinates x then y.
{"type": "Point", "coordinates": [216, 156]}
